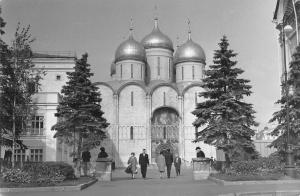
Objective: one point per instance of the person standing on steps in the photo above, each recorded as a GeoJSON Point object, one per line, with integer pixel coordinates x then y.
{"type": "Point", "coordinates": [169, 161]}
{"type": "Point", "coordinates": [144, 163]}
{"type": "Point", "coordinates": [177, 164]}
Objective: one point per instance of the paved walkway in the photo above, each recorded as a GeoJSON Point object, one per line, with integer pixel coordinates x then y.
{"type": "Point", "coordinates": [154, 186]}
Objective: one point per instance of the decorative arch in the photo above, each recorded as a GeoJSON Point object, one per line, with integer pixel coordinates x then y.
{"type": "Point", "coordinates": [164, 107]}
{"type": "Point", "coordinates": [164, 84]}
{"type": "Point", "coordinates": [105, 84]}
{"type": "Point", "coordinates": [198, 84]}
{"type": "Point", "coordinates": [131, 83]}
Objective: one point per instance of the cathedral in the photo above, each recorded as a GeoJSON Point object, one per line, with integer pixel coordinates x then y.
{"type": "Point", "coordinates": [149, 100]}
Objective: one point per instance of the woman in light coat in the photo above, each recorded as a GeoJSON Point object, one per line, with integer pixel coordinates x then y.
{"type": "Point", "coordinates": [161, 164]}
{"type": "Point", "coordinates": [132, 162]}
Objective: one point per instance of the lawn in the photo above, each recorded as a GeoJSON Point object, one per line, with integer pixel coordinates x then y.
{"type": "Point", "coordinates": [79, 181]}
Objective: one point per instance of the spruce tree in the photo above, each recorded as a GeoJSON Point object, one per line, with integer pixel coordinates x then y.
{"type": "Point", "coordinates": [225, 118]}
{"type": "Point", "coordinates": [81, 122]}
{"type": "Point", "coordinates": [288, 117]}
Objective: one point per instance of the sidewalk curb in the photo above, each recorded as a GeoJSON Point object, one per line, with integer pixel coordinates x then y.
{"type": "Point", "coordinates": [49, 188]}
{"type": "Point", "coordinates": [259, 182]}
{"type": "Point", "coordinates": [261, 193]}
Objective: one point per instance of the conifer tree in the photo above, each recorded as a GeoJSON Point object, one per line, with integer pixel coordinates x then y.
{"type": "Point", "coordinates": [79, 112]}
{"type": "Point", "coordinates": [225, 117]}
{"type": "Point", "coordinates": [288, 117]}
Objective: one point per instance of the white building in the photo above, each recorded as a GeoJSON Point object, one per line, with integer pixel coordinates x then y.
{"type": "Point", "coordinates": [148, 101]}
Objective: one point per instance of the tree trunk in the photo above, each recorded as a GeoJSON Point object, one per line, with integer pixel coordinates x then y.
{"type": "Point", "coordinates": [78, 154]}
{"type": "Point", "coordinates": [227, 161]}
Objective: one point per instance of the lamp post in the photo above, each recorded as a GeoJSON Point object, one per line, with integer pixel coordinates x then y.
{"type": "Point", "coordinates": [289, 165]}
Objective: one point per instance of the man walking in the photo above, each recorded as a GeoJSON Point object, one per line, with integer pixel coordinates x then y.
{"type": "Point", "coordinates": [144, 162]}
{"type": "Point", "coordinates": [177, 164]}
{"type": "Point", "coordinates": [169, 161]}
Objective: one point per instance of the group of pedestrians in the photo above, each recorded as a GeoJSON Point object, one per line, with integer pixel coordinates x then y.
{"type": "Point", "coordinates": [164, 160]}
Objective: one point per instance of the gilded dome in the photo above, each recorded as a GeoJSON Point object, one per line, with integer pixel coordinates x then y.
{"type": "Point", "coordinates": [189, 52]}
{"type": "Point", "coordinates": [156, 39]}
{"type": "Point", "coordinates": [130, 50]}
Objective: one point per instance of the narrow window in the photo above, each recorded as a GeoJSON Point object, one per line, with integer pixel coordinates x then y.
{"type": "Point", "coordinates": [158, 66]}
{"type": "Point", "coordinates": [141, 71]}
{"type": "Point", "coordinates": [196, 99]}
{"type": "Point", "coordinates": [169, 66]}
{"type": "Point", "coordinates": [193, 72]}
{"type": "Point", "coordinates": [131, 98]}
{"type": "Point", "coordinates": [182, 72]}
{"type": "Point", "coordinates": [131, 132]}
{"type": "Point", "coordinates": [58, 77]}
{"type": "Point", "coordinates": [131, 70]}
{"type": "Point", "coordinates": [165, 133]}
{"type": "Point", "coordinates": [121, 71]}
{"type": "Point", "coordinates": [164, 98]}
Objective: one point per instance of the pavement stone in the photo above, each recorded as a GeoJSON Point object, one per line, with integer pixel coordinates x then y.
{"type": "Point", "coordinates": [183, 185]}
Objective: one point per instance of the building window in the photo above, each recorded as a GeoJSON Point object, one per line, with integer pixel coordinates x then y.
{"type": "Point", "coordinates": [193, 72]}
{"type": "Point", "coordinates": [169, 66]}
{"type": "Point", "coordinates": [196, 98]}
{"type": "Point", "coordinates": [37, 125]}
{"type": "Point", "coordinates": [131, 132]}
{"type": "Point", "coordinates": [19, 155]}
{"type": "Point", "coordinates": [141, 71]}
{"type": "Point", "coordinates": [131, 68]}
{"type": "Point", "coordinates": [164, 98]}
{"type": "Point", "coordinates": [182, 72]}
{"type": "Point", "coordinates": [121, 74]}
{"type": "Point", "coordinates": [58, 77]}
{"type": "Point", "coordinates": [165, 133]}
{"type": "Point", "coordinates": [131, 98]}
{"type": "Point", "coordinates": [36, 155]}
{"type": "Point", "coordinates": [158, 66]}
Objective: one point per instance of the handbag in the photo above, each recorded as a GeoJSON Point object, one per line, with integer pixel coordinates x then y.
{"type": "Point", "coordinates": [128, 169]}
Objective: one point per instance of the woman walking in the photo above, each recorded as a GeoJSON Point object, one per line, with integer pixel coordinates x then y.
{"type": "Point", "coordinates": [132, 163]}
{"type": "Point", "coordinates": [161, 164]}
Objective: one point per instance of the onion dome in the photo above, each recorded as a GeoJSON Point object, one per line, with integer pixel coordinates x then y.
{"type": "Point", "coordinates": [156, 39]}
{"type": "Point", "coordinates": [130, 50]}
{"type": "Point", "coordinates": [189, 52]}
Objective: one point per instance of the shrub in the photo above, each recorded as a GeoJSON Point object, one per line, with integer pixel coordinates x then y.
{"type": "Point", "coordinates": [259, 166]}
{"type": "Point", "coordinates": [50, 169]}
{"type": "Point", "coordinates": [40, 173]}
{"type": "Point", "coordinates": [17, 176]}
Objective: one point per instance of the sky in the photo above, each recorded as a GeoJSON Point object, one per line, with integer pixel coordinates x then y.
{"type": "Point", "coordinates": [99, 26]}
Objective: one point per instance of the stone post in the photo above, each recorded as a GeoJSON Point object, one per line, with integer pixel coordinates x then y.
{"type": "Point", "coordinates": [201, 168]}
{"type": "Point", "coordinates": [103, 171]}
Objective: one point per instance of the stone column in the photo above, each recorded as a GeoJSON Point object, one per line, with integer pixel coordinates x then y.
{"type": "Point", "coordinates": [148, 126]}
{"type": "Point", "coordinates": [181, 127]}
{"type": "Point", "coordinates": [116, 129]}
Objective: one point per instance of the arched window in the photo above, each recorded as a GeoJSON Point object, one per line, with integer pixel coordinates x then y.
{"type": "Point", "coordinates": [165, 133]}
{"type": "Point", "coordinates": [131, 98]}
{"type": "Point", "coordinates": [196, 94]}
{"type": "Point", "coordinates": [164, 98]}
{"type": "Point", "coordinates": [131, 68]}
{"type": "Point", "coordinates": [193, 72]}
{"type": "Point", "coordinates": [131, 132]}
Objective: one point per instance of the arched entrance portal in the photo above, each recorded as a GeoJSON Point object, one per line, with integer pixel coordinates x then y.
{"type": "Point", "coordinates": [164, 131]}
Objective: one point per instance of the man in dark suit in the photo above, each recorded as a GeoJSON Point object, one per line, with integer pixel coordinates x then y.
{"type": "Point", "coordinates": [169, 161]}
{"type": "Point", "coordinates": [144, 162]}
{"type": "Point", "coordinates": [177, 164]}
